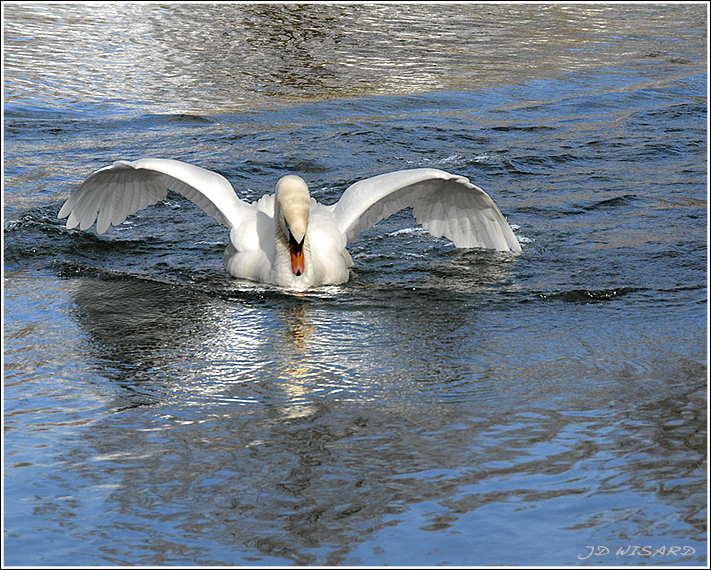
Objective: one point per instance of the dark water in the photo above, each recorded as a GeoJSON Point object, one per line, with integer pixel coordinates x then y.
{"type": "Point", "coordinates": [443, 406]}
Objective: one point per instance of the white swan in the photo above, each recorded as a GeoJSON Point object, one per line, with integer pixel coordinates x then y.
{"type": "Point", "coordinates": [287, 238]}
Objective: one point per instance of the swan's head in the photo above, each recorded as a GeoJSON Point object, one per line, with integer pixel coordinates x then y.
{"type": "Point", "coordinates": [292, 204]}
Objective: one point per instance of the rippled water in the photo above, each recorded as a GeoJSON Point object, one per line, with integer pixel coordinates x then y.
{"type": "Point", "coordinates": [443, 406]}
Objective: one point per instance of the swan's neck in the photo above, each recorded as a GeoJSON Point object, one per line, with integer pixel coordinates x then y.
{"type": "Point", "coordinates": [293, 258]}
{"type": "Point", "coordinates": [285, 252]}
{"type": "Point", "coordinates": [292, 205]}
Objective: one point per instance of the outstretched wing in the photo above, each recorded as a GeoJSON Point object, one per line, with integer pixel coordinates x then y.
{"type": "Point", "coordinates": [445, 204]}
{"type": "Point", "coordinates": [115, 192]}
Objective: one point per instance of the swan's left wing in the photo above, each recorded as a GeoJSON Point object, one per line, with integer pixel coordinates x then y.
{"type": "Point", "coordinates": [445, 204]}
{"type": "Point", "coordinates": [113, 193]}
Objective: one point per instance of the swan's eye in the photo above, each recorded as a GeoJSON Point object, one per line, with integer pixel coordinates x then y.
{"type": "Point", "coordinates": [292, 241]}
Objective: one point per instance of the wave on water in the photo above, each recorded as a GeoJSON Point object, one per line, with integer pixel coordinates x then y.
{"type": "Point", "coordinates": [586, 296]}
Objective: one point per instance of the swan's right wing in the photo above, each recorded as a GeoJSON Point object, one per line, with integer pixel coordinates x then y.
{"type": "Point", "coordinates": [445, 204]}
{"type": "Point", "coordinates": [113, 193]}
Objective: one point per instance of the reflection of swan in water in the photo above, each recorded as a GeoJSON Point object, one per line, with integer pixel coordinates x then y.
{"type": "Point", "coordinates": [296, 368]}
{"type": "Point", "coordinates": [161, 340]}
{"type": "Point", "coordinates": [296, 354]}
{"type": "Point", "coordinates": [288, 239]}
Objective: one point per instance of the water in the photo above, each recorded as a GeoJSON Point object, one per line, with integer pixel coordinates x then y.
{"type": "Point", "coordinates": [443, 406]}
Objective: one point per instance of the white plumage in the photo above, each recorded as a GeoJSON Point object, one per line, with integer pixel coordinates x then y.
{"type": "Point", "coordinates": [287, 238]}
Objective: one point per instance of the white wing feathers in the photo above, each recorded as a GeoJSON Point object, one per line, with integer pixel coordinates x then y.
{"type": "Point", "coordinates": [115, 192]}
{"type": "Point", "coordinates": [444, 204]}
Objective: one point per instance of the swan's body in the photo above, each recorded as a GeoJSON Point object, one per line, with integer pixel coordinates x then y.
{"type": "Point", "coordinates": [287, 238]}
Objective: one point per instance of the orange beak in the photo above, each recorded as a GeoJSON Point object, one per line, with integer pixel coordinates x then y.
{"type": "Point", "coordinates": [297, 257]}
